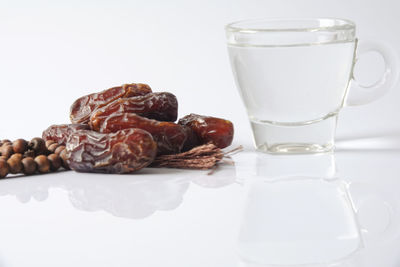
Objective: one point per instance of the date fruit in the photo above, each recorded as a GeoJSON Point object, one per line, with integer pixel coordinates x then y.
{"type": "Point", "coordinates": [158, 106]}
{"type": "Point", "coordinates": [60, 133]}
{"type": "Point", "coordinates": [124, 151]}
{"type": "Point", "coordinates": [209, 129]}
{"type": "Point", "coordinates": [83, 107]}
{"type": "Point", "coordinates": [191, 141]}
{"type": "Point", "coordinates": [170, 137]}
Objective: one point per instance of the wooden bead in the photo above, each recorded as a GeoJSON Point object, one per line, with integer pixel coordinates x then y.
{"type": "Point", "coordinates": [49, 143]}
{"type": "Point", "coordinates": [4, 169]}
{"type": "Point", "coordinates": [63, 156]}
{"type": "Point", "coordinates": [29, 154]}
{"type": "Point", "coordinates": [29, 165]}
{"type": "Point", "coordinates": [43, 163]}
{"type": "Point", "coordinates": [14, 163]}
{"type": "Point", "coordinates": [55, 162]}
{"type": "Point", "coordinates": [52, 147]}
{"type": "Point", "coordinates": [6, 150]}
{"type": "Point", "coordinates": [16, 156]}
{"type": "Point", "coordinates": [38, 145]}
{"type": "Point", "coordinates": [20, 146]}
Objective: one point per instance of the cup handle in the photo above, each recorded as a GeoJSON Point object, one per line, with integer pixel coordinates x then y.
{"type": "Point", "coordinates": [361, 94]}
{"type": "Point", "coordinates": [366, 200]}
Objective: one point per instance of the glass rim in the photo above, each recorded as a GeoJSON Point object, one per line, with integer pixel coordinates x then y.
{"type": "Point", "coordinates": [342, 24]}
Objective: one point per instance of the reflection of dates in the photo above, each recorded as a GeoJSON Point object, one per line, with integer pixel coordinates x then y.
{"type": "Point", "coordinates": [158, 106]}
{"type": "Point", "coordinates": [60, 133]}
{"type": "Point", "coordinates": [209, 129]}
{"type": "Point", "coordinates": [170, 137]}
{"type": "Point", "coordinates": [83, 107]}
{"type": "Point", "coordinates": [124, 151]}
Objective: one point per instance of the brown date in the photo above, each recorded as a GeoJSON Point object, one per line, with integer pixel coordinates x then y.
{"type": "Point", "coordinates": [60, 133]}
{"type": "Point", "coordinates": [209, 129]}
{"type": "Point", "coordinates": [158, 106]}
{"type": "Point", "coordinates": [124, 151]}
{"type": "Point", "coordinates": [170, 137]}
{"type": "Point", "coordinates": [192, 140]}
{"type": "Point", "coordinates": [83, 107]}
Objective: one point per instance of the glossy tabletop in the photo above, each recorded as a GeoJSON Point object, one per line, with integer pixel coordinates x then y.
{"type": "Point", "coordinates": [335, 209]}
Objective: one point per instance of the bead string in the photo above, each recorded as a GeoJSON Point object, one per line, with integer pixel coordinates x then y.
{"type": "Point", "coordinates": [35, 156]}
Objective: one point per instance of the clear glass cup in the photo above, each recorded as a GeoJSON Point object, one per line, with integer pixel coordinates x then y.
{"type": "Point", "coordinates": [294, 74]}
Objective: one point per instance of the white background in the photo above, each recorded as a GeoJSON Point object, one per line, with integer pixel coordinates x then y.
{"type": "Point", "coordinates": [52, 52]}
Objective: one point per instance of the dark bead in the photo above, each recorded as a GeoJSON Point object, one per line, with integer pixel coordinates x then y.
{"type": "Point", "coordinates": [43, 163]}
{"type": "Point", "coordinates": [20, 146]}
{"type": "Point", "coordinates": [29, 165]}
{"type": "Point", "coordinates": [55, 162]}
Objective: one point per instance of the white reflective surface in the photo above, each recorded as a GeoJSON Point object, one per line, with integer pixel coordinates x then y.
{"type": "Point", "coordinates": [326, 210]}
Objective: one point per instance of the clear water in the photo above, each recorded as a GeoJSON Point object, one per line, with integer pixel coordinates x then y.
{"type": "Point", "coordinates": [313, 137]}
{"type": "Point", "coordinates": [293, 88]}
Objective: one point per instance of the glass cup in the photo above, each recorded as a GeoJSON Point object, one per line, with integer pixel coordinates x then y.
{"type": "Point", "coordinates": [294, 74]}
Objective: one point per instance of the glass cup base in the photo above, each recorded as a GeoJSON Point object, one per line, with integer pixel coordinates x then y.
{"type": "Point", "coordinates": [301, 138]}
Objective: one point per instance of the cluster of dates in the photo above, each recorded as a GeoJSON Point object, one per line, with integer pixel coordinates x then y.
{"type": "Point", "coordinates": [123, 129]}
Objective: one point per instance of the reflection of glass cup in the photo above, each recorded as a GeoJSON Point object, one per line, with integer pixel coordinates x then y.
{"type": "Point", "coordinates": [319, 210]}
{"type": "Point", "coordinates": [293, 76]}
{"type": "Point", "coordinates": [297, 220]}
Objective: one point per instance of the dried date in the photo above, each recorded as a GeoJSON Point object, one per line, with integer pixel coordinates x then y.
{"type": "Point", "coordinates": [209, 129]}
{"type": "Point", "coordinates": [124, 151]}
{"type": "Point", "coordinates": [60, 133]}
{"type": "Point", "coordinates": [83, 107]}
{"type": "Point", "coordinates": [170, 137]}
{"type": "Point", "coordinates": [192, 140]}
{"type": "Point", "coordinates": [158, 106]}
